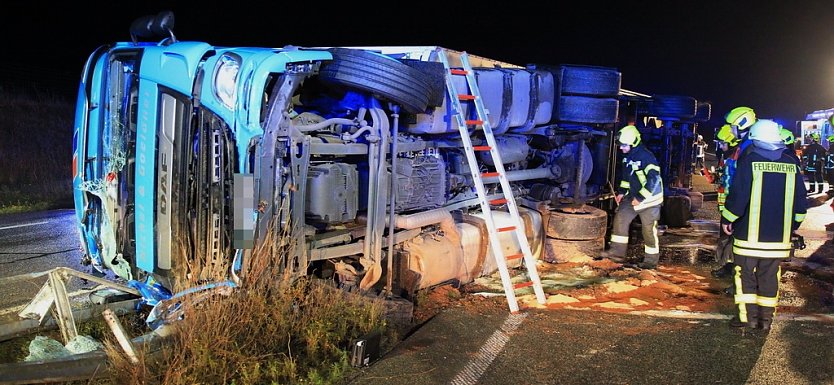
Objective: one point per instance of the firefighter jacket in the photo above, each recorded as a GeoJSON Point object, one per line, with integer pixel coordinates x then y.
{"type": "Point", "coordinates": [766, 203]}
{"type": "Point", "coordinates": [729, 171]}
{"type": "Point", "coordinates": [813, 156]}
{"type": "Point", "coordinates": [829, 161]}
{"type": "Point", "coordinates": [641, 178]}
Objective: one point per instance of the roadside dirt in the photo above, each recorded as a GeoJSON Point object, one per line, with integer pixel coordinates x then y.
{"type": "Point", "coordinates": [682, 284]}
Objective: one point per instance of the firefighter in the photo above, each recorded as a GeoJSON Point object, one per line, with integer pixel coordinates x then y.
{"type": "Point", "coordinates": [829, 165]}
{"type": "Point", "coordinates": [813, 156]}
{"type": "Point", "coordinates": [727, 144]}
{"type": "Point", "coordinates": [765, 205]}
{"type": "Point", "coordinates": [640, 192]}
{"type": "Point", "coordinates": [789, 139]}
{"type": "Point", "coordinates": [700, 154]}
{"type": "Point", "coordinates": [738, 122]}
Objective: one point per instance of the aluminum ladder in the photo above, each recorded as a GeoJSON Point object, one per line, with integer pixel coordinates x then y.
{"type": "Point", "coordinates": [474, 97]}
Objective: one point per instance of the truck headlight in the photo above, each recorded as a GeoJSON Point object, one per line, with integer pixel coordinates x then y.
{"type": "Point", "coordinates": [225, 79]}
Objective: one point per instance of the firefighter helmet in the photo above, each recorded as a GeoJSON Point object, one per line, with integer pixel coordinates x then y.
{"type": "Point", "coordinates": [725, 134]}
{"type": "Point", "coordinates": [787, 136]}
{"type": "Point", "coordinates": [767, 131]}
{"type": "Point", "coordinates": [629, 135]}
{"type": "Point", "coordinates": [831, 139]}
{"type": "Point", "coordinates": [815, 136]}
{"type": "Point", "coordinates": [741, 117]}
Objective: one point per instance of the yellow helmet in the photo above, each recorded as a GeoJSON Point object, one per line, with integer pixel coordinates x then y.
{"type": "Point", "coordinates": [725, 134]}
{"type": "Point", "coordinates": [787, 136]}
{"type": "Point", "coordinates": [629, 135]}
{"type": "Point", "coordinates": [741, 117]}
{"type": "Point", "coordinates": [815, 136]}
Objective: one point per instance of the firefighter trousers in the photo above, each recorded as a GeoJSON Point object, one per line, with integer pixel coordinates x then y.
{"type": "Point", "coordinates": [756, 287]}
{"type": "Point", "coordinates": [648, 220]}
{"type": "Point", "coordinates": [815, 181]}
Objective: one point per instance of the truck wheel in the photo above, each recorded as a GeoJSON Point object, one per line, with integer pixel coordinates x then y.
{"type": "Point", "coordinates": [676, 211]}
{"type": "Point", "coordinates": [381, 75]}
{"type": "Point", "coordinates": [584, 109]}
{"type": "Point", "coordinates": [589, 223]}
{"type": "Point", "coordinates": [703, 112]}
{"type": "Point", "coordinates": [696, 200]}
{"type": "Point", "coordinates": [562, 250]}
{"type": "Point", "coordinates": [590, 81]}
{"type": "Point", "coordinates": [674, 106]}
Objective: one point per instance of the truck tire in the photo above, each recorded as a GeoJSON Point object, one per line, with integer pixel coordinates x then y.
{"type": "Point", "coordinates": [676, 211]}
{"type": "Point", "coordinates": [674, 106]}
{"type": "Point", "coordinates": [589, 81]}
{"type": "Point", "coordinates": [562, 250]}
{"type": "Point", "coordinates": [696, 200]}
{"type": "Point", "coordinates": [383, 76]}
{"type": "Point", "coordinates": [584, 109]}
{"type": "Point", "coordinates": [590, 223]}
{"type": "Point", "coordinates": [703, 112]}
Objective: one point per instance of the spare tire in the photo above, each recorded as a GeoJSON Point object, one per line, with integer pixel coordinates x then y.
{"type": "Point", "coordinates": [703, 112]}
{"type": "Point", "coordinates": [589, 80]}
{"type": "Point", "coordinates": [380, 75]}
{"type": "Point", "coordinates": [696, 200]}
{"type": "Point", "coordinates": [589, 223]}
{"type": "Point", "coordinates": [586, 109]}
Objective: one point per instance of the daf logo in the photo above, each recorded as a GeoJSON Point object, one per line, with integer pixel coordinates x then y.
{"type": "Point", "coordinates": [163, 184]}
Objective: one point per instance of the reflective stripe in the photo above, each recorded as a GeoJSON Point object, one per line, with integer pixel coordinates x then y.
{"type": "Point", "coordinates": [619, 238]}
{"type": "Point", "coordinates": [651, 250]}
{"type": "Point", "coordinates": [767, 301]}
{"type": "Point", "coordinates": [653, 167]}
{"type": "Point", "coordinates": [799, 217]}
{"type": "Point", "coordinates": [762, 245]}
{"type": "Point", "coordinates": [649, 202]}
{"type": "Point", "coordinates": [755, 206]}
{"type": "Point", "coordinates": [624, 184]}
{"type": "Point", "coordinates": [641, 176]}
{"type": "Point", "coordinates": [645, 193]}
{"type": "Point", "coordinates": [739, 296]}
{"type": "Point", "coordinates": [761, 253]}
{"type": "Point", "coordinates": [728, 215]}
{"type": "Point", "coordinates": [787, 222]}
{"type": "Point", "coordinates": [745, 298]}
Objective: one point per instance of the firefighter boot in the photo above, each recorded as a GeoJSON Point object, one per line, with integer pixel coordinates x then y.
{"type": "Point", "coordinates": [649, 261]}
{"type": "Point", "coordinates": [616, 252]}
{"type": "Point", "coordinates": [723, 271]}
{"type": "Point", "coordinates": [738, 323]}
{"type": "Point", "coordinates": [764, 324]}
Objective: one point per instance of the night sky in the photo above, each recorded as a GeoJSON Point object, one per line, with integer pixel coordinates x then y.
{"type": "Point", "coordinates": [774, 56]}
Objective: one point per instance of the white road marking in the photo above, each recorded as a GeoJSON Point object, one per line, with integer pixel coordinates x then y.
{"type": "Point", "coordinates": [23, 225]}
{"type": "Point", "coordinates": [491, 348]}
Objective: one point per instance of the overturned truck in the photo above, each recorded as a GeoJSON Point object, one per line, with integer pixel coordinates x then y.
{"type": "Point", "coordinates": [185, 152]}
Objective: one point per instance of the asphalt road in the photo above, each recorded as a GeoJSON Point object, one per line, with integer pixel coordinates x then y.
{"type": "Point", "coordinates": [36, 242]}
{"type": "Point", "coordinates": [582, 347]}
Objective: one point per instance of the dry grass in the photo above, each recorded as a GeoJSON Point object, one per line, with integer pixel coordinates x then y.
{"type": "Point", "coordinates": [272, 329]}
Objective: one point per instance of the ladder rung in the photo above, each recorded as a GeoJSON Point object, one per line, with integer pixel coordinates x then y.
{"type": "Point", "coordinates": [489, 174]}
{"type": "Point", "coordinates": [482, 148]}
{"type": "Point", "coordinates": [523, 284]}
{"type": "Point", "coordinates": [514, 256]}
{"type": "Point", "coordinates": [456, 71]}
{"type": "Point", "coordinates": [476, 122]}
{"type": "Point", "coordinates": [503, 229]}
{"type": "Point", "coordinates": [466, 97]}
{"type": "Point", "coordinates": [499, 201]}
